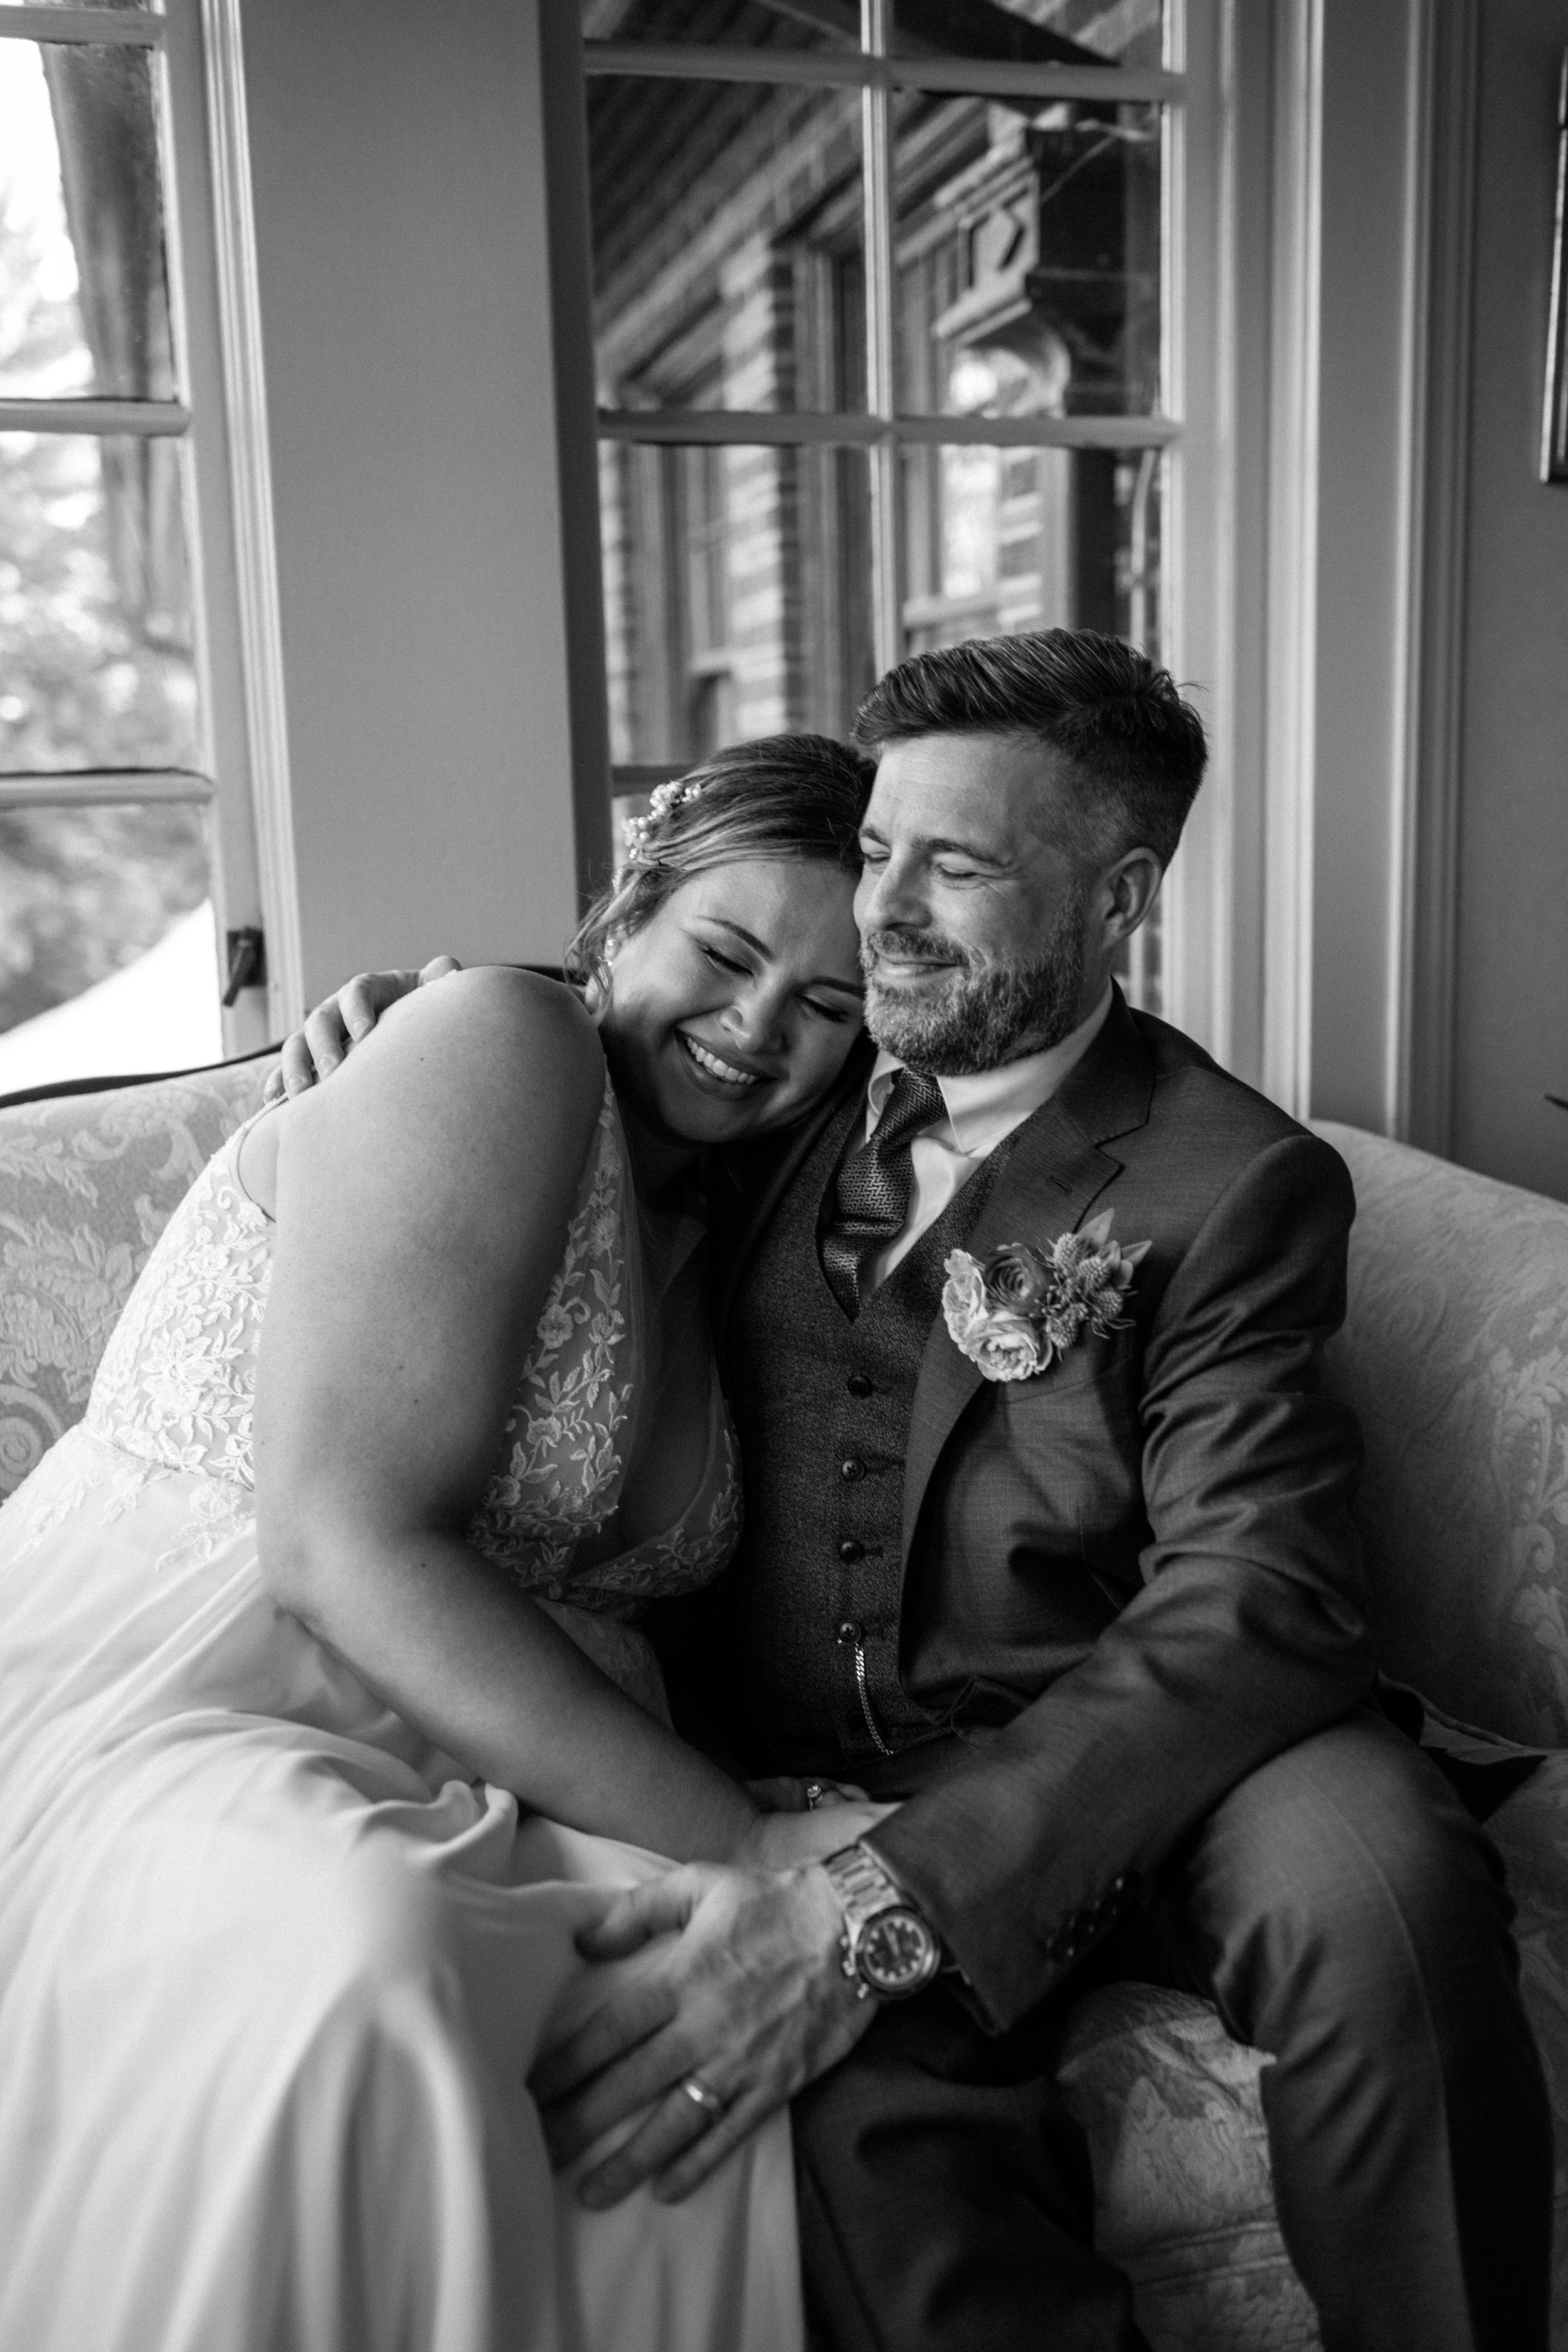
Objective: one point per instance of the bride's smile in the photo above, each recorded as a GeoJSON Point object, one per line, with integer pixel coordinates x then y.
{"type": "Point", "coordinates": [725, 1072]}
{"type": "Point", "coordinates": [732, 1008]}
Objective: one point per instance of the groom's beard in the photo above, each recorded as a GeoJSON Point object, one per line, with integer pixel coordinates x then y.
{"type": "Point", "coordinates": [987, 1011]}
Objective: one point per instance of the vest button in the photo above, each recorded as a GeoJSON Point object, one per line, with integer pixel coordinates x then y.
{"type": "Point", "coordinates": [852, 1470]}
{"type": "Point", "coordinates": [848, 1631]}
{"type": "Point", "coordinates": [858, 1385]}
{"type": "Point", "coordinates": [851, 1551]}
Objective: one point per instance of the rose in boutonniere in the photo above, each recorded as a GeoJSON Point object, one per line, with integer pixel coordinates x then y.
{"type": "Point", "coordinates": [1013, 1312]}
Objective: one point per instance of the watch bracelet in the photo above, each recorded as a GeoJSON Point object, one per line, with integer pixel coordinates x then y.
{"type": "Point", "coordinates": [858, 1875]}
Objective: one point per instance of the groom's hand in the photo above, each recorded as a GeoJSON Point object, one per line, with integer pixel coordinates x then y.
{"type": "Point", "coordinates": [747, 1994]}
{"type": "Point", "coordinates": [342, 1021]}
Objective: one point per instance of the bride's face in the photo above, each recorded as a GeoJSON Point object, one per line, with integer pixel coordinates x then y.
{"type": "Point", "coordinates": [733, 1008]}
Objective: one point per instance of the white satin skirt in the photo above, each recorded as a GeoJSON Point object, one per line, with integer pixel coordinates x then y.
{"type": "Point", "coordinates": [272, 1977]}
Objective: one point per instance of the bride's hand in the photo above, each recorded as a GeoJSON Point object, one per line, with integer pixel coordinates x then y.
{"type": "Point", "coordinates": [787, 1794]}
{"type": "Point", "coordinates": [788, 1841]}
{"type": "Point", "coordinates": [340, 1022]}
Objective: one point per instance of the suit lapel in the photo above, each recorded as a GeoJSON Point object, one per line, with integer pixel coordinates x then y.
{"type": "Point", "coordinates": [1052, 1177]}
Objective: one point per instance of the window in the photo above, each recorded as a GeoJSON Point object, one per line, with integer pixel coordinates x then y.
{"type": "Point", "coordinates": [115, 838]}
{"type": "Point", "coordinates": [881, 335]}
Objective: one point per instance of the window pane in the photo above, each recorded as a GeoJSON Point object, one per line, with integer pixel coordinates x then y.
{"type": "Point", "coordinates": [1035, 32]}
{"type": "Point", "coordinates": [727, 245]}
{"type": "Point", "coordinates": [1028, 258]}
{"type": "Point", "coordinates": [95, 668]}
{"type": "Point", "coordinates": [107, 958]}
{"type": "Point", "coordinates": [737, 598]}
{"type": "Point", "coordinates": [84, 302]}
{"type": "Point", "coordinates": [998, 540]}
{"type": "Point", "coordinates": [725, 23]}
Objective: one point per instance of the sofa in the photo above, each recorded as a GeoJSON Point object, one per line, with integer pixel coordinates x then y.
{"type": "Point", "coordinates": [1454, 1357]}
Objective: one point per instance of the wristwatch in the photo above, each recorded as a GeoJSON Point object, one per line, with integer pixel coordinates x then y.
{"type": "Point", "coordinates": [888, 1948]}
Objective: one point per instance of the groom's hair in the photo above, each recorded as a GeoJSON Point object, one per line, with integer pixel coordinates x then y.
{"type": "Point", "coordinates": [1132, 750]}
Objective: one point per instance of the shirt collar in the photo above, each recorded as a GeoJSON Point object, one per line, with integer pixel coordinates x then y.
{"type": "Point", "coordinates": [985, 1106]}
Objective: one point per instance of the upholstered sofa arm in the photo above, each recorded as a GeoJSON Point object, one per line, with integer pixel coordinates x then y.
{"type": "Point", "coordinates": [89, 1179]}
{"type": "Point", "coordinates": [1455, 1358]}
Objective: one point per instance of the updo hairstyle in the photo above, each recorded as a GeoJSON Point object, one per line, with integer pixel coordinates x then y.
{"type": "Point", "coordinates": [779, 796]}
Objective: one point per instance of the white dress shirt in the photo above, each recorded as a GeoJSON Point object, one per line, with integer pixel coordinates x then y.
{"type": "Point", "coordinates": [982, 1109]}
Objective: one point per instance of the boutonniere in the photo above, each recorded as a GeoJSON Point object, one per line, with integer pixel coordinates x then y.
{"type": "Point", "coordinates": [1014, 1312]}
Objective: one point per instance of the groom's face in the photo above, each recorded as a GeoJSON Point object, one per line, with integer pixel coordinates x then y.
{"type": "Point", "coordinates": [973, 904]}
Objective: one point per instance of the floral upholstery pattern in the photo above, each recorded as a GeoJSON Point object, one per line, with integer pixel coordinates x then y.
{"type": "Point", "coordinates": [87, 1185]}
{"type": "Point", "coordinates": [1455, 1355]}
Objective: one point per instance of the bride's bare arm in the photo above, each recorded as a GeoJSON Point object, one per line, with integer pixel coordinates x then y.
{"type": "Point", "coordinates": [422, 1204]}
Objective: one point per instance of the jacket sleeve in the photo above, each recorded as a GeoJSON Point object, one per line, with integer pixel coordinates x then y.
{"type": "Point", "coordinates": [1249, 1632]}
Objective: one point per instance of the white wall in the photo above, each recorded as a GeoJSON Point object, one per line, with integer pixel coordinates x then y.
{"type": "Point", "coordinates": [440, 798]}
{"type": "Point", "coordinates": [1358, 525]}
{"type": "Point", "coordinates": [1511, 1033]}
{"type": "Point", "coordinates": [1297, 603]}
{"type": "Point", "coordinates": [1344, 389]}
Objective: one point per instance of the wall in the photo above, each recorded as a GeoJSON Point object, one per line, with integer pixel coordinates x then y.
{"type": "Point", "coordinates": [1293, 891]}
{"type": "Point", "coordinates": [1359, 431]}
{"type": "Point", "coordinates": [1511, 1036]}
{"type": "Point", "coordinates": [440, 798]}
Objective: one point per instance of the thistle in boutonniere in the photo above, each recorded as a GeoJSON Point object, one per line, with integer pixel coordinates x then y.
{"type": "Point", "coordinates": [1014, 1312]}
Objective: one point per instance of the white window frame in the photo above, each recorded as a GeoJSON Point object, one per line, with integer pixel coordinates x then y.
{"type": "Point", "coordinates": [220, 421]}
{"type": "Point", "coordinates": [881, 429]}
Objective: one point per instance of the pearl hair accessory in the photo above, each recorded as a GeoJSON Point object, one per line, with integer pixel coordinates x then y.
{"type": "Point", "coordinates": [638, 831]}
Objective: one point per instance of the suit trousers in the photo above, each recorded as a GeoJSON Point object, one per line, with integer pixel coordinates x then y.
{"type": "Point", "coordinates": [1346, 1915]}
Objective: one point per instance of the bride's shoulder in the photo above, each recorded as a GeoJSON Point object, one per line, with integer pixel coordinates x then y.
{"type": "Point", "coordinates": [505, 1062]}
{"type": "Point", "coordinates": [510, 1003]}
{"type": "Point", "coordinates": [537, 1026]}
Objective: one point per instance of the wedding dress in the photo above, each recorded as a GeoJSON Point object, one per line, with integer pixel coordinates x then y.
{"type": "Point", "coordinates": [272, 1970]}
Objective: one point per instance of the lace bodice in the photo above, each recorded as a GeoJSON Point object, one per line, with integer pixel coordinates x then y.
{"type": "Point", "coordinates": [175, 1386]}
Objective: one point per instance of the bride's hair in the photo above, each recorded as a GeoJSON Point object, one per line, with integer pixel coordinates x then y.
{"type": "Point", "coordinates": [784, 797]}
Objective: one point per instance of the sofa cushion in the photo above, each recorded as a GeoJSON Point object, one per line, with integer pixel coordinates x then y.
{"type": "Point", "coordinates": [87, 1183]}
{"type": "Point", "coordinates": [1455, 1359]}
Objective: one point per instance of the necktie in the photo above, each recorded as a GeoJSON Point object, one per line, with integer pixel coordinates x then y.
{"type": "Point", "coordinates": [871, 1194]}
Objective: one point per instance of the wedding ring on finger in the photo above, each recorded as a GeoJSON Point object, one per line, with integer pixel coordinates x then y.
{"type": "Point", "coordinates": [814, 1792]}
{"type": "Point", "coordinates": [700, 2096]}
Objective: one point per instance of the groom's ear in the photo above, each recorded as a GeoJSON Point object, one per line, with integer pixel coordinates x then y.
{"type": "Point", "coordinates": [1125, 892]}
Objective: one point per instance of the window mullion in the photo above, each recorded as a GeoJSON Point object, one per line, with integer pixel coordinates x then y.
{"type": "Point", "coordinates": [96, 27]}
{"type": "Point", "coordinates": [133, 419]}
{"type": "Point", "coordinates": [877, 165]}
{"type": "Point", "coordinates": [103, 788]}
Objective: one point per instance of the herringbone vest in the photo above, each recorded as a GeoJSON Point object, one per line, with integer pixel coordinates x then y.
{"type": "Point", "coordinates": [823, 1406]}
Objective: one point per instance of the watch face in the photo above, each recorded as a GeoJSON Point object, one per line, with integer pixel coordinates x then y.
{"type": "Point", "coordinates": [897, 1954]}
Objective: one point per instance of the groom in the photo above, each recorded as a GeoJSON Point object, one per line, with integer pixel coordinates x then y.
{"type": "Point", "coordinates": [1053, 1552]}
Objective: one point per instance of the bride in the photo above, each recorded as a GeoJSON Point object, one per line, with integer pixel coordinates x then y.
{"type": "Point", "coordinates": [324, 1722]}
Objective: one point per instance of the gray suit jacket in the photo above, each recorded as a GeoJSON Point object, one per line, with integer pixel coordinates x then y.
{"type": "Point", "coordinates": [1137, 1569]}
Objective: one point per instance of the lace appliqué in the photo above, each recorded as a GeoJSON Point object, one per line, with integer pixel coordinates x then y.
{"type": "Point", "coordinates": [688, 1557]}
{"type": "Point", "coordinates": [217, 1511]}
{"type": "Point", "coordinates": [564, 1469]}
{"type": "Point", "coordinates": [69, 1474]}
{"type": "Point", "coordinates": [177, 1381]}
{"type": "Point", "coordinates": [175, 1390]}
